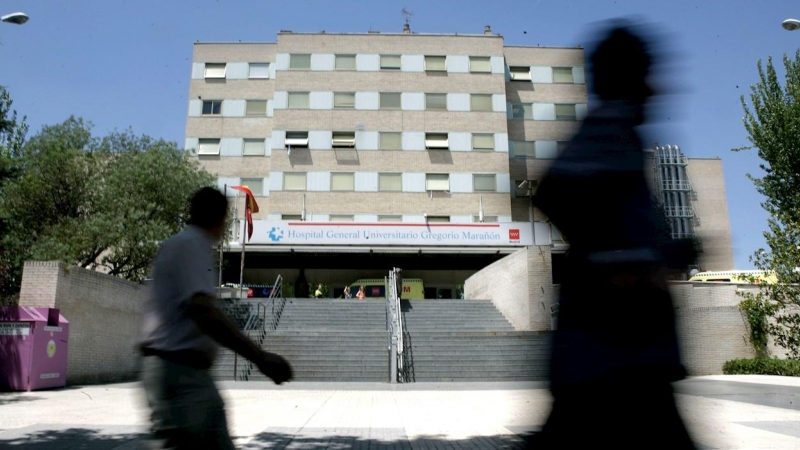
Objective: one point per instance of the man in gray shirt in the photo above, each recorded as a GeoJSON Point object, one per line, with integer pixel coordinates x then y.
{"type": "Point", "coordinates": [181, 331]}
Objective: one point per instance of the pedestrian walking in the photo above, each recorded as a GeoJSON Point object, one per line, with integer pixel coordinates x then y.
{"type": "Point", "coordinates": [181, 331]}
{"type": "Point", "coordinates": [615, 347]}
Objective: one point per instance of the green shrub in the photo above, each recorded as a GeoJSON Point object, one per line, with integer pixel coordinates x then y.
{"type": "Point", "coordinates": [762, 366]}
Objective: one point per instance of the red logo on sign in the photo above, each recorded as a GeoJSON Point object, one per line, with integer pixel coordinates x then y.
{"type": "Point", "coordinates": [513, 235]}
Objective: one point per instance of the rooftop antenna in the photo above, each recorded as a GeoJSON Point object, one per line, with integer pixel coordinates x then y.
{"type": "Point", "coordinates": [408, 14]}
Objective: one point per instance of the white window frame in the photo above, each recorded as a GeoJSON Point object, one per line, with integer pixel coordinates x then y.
{"type": "Point", "coordinates": [292, 58]}
{"type": "Point", "coordinates": [565, 70]}
{"type": "Point", "coordinates": [341, 58]}
{"type": "Point", "coordinates": [341, 218]}
{"type": "Point", "coordinates": [483, 97]}
{"type": "Point", "coordinates": [212, 102]}
{"type": "Point", "coordinates": [486, 59]}
{"type": "Point", "coordinates": [259, 112]}
{"type": "Point", "coordinates": [396, 95]}
{"type": "Point", "coordinates": [288, 175]}
{"type": "Point", "coordinates": [489, 135]}
{"type": "Point", "coordinates": [434, 180]}
{"type": "Point", "coordinates": [434, 141]}
{"type": "Point", "coordinates": [297, 139]}
{"type": "Point", "coordinates": [520, 73]}
{"type": "Point", "coordinates": [298, 96]}
{"type": "Point", "coordinates": [398, 176]}
{"type": "Point", "coordinates": [249, 183]}
{"type": "Point", "coordinates": [486, 219]}
{"type": "Point", "coordinates": [393, 133]}
{"type": "Point", "coordinates": [343, 176]}
{"type": "Point", "coordinates": [340, 95]}
{"type": "Point", "coordinates": [260, 142]}
{"type": "Point", "coordinates": [388, 67]}
{"type": "Point", "coordinates": [213, 72]}
{"type": "Point", "coordinates": [476, 176]}
{"type": "Point", "coordinates": [437, 96]}
{"type": "Point", "coordinates": [429, 59]}
{"type": "Point", "coordinates": [346, 139]}
{"type": "Point", "coordinates": [211, 146]}
{"type": "Point", "coordinates": [263, 66]}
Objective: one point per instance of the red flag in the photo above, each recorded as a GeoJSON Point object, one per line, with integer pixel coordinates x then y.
{"type": "Point", "coordinates": [250, 206]}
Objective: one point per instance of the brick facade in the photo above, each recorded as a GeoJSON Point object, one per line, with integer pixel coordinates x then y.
{"type": "Point", "coordinates": [104, 312]}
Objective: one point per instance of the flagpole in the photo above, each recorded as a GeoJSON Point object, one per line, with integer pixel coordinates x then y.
{"type": "Point", "coordinates": [222, 244]}
{"type": "Point", "coordinates": [244, 244]}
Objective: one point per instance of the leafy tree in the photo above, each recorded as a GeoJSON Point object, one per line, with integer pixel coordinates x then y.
{"type": "Point", "coordinates": [12, 137]}
{"type": "Point", "coordinates": [773, 125]}
{"type": "Point", "coordinates": [99, 203]}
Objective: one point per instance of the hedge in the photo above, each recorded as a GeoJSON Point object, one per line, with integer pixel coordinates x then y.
{"type": "Point", "coordinates": [762, 366]}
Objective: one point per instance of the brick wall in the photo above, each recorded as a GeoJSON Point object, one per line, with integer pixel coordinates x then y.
{"type": "Point", "coordinates": [104, 314]}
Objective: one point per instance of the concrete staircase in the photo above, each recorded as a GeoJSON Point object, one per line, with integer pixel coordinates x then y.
{"type": "Point", "coordinates": [469, 340]}
{"type": "Point", "coordinates": [446, 340]}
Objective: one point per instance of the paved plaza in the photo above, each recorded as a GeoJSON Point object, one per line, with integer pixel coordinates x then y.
{"type": "Point", "coordinates": [723, 412]}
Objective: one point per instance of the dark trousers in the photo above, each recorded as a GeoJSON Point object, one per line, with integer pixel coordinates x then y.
{"type": "Point", "coordinates": [616, 415]}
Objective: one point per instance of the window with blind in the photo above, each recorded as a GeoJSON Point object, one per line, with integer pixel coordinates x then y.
{"type": "Point", "coordinates": [208, 147]}
{"type": "Point", "coordinates": [565, 112]}
{"type": "Point", "coordinates": [480, 64]}
{"type": "Point", "coordinates": [344, 100]}
{"type": "Point", "coordinates": [522, 111]}
{"type": "Point", "coordinates": [254, 147]}
{"type": "Point", "coordinates": [436, 141]}
{"type": "Point", "coordinates": [520, 73]}
{"type": "Point", "coordinates": [298, 100]}
{"type": "Point", "coordinates": [391, 141]}
{"type": "Point", "coordinates": [342, 182]}
{"type": "Point", "coordinates": [340, 218]}
{"type": "Point", "coordinates": [481, 102]}
{"type": "Point", "coordinates": [215, 70]}
{"type": "Point", "coordinates": [486, 219]}
{"type": "Point", "coordinates": [484, 183]}
{"type": "Point", "coordinates": [259, 70]}
{"type": "Point", "coordinates": [390, 182]}
{"type": "Point", "coordinates": [437, 182]}
{"type": "Point", "coordinates": [435, 64]}
{"type": "Point", "coordinates": [345, 62]}
{"type": "Point", "coordinates": [299, 61]}
{"type": "Point", "coordinates": [562, 75]}
{"type": "Point", "coordinates": [296, 139]}
{"type": "Point", "coordinates": [294, 181]}
{"type": "Point", "coordinates": [436, 102]}
{"type": "Point", "coordinates": [256, 185]}
{"type": "Point", "coordinates": [524, 149]}
{"type": "Point", "coordinates": [396, 219]}
{"type": "Point", "coordinates": [343, 139]}
{"type": "Point", "coordinates": [256, 108]}
{"type": "Point", "coordinates": [390, 100]}
{"type": "Point", "coordinates": [483, 141]}
{"type": "Point", "coordinates": [390, 62]}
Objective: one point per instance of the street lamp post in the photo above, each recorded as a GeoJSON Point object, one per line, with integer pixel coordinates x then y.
{"type": "Point", "coordinates": [791, 24]}
{"type": "Point", "coordinates": [17, 18]}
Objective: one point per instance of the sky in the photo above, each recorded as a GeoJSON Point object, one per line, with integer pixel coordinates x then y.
{"type": "Point", "coordinates": [126, 64]}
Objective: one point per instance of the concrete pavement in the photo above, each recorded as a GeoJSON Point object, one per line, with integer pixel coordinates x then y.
{"type": "Point", "coordinates": [722, 412]}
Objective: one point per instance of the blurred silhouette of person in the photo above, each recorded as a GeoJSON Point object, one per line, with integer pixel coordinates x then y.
{"type": "Point", "coordinates": [347, 294]}
{"type": "Point", "coordinates": [615, 348]}
{"type": "Point", "coordinates": [180, 333]}
{"type": "Point", "coordinates": [361, 294]}
{"type": "Point", "coordinates": [318, 292]}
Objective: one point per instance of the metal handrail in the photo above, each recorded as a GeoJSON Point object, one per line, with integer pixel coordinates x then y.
{"type": "Point", "coordinates": [257, 321]}
{"type": "Point", "coordinates": [394, 325]}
